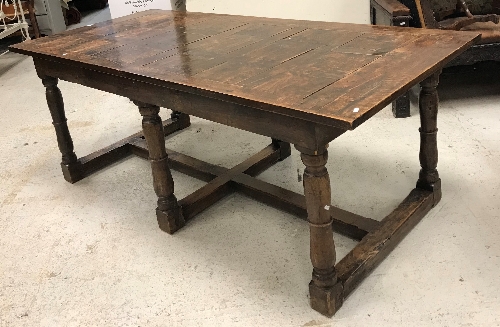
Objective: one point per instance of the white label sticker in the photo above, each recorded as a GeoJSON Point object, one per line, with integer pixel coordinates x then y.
{"type": "Point", "coordinates": [120, 8]}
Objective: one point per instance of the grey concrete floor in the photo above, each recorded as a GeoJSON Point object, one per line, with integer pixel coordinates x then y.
{"type": "Point", "coordinates": [91, 254]}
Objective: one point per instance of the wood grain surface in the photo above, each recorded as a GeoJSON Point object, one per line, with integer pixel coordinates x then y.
{"type": "Point", "coordinates": [316, 71]}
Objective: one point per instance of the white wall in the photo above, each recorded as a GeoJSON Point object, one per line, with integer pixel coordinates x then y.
{"type": "Point", "coordinates": [346, 11]}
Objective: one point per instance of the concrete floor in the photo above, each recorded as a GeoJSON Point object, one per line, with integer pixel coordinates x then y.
{"type": "Point", "coordinates": [91, 254]}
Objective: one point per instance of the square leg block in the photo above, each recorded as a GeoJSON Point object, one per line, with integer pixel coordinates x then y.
{"type": "Point", "coordinates": [170, 221]}
{"type": "Point", "coordinates": [326, 300]}
{"type": "Point", "coordinates": [73, 172]}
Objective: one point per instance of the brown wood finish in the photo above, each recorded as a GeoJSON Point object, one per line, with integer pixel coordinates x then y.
{"type": "Point", "coordinates": [344, 222]}
{"type": "Point", "coordinates": [168, 212]}
{"type": "Point", "coordinates": [393, 13]}
{"type": "Point", "coordinates": [102, 158]}
{"type": "Point", "coordinates": [395, 7]}
{"type": "Point", "coordinates": [298, 82]}
{"type": "Point", "coordinates": [34, 23]}
{"type": "Point", "coordinates": [428, 105]}
{"type": "Point", "coordinates": [456, 18]}
{"type": "Point", "coordinates": [274, 63]}
{"type": "Point", "coordinates": [375, 246]}
{"type": "Point", "coordinates": [326, 293]}
{"type": "Point", "coordinates": [69, 163]}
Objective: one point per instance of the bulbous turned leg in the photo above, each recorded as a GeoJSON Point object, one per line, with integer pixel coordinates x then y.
{"type": "Point", "coordinates": [428, 106]}
{"type": "Point", "coordinates": [324, 288]}
{"type": "Point", "coordinates": [72, 169]}
{"type": "Point", "coordinates": [168, 212]}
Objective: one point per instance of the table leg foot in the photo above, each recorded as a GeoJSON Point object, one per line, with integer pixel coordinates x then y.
{"type": "Point", "coordinates": [435, 188]}
{"type": "Point", "coordinates": [72, 172]}
{"type": "Point", "coordinates": [326, 300]}
{"type": "Point", "coordinates": [170, 220]}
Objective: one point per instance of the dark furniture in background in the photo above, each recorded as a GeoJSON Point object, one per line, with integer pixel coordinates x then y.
{"type": "Point", "coordinates": [84, 5]}
{"type": "Point", "coordinates": [443, 14]}
{"type": "Point", "coordinates": [73, 14]}
{"type": "Point", "coordinates": [29, 13]}
{"type": "Point", "coordinates": [299, 82]}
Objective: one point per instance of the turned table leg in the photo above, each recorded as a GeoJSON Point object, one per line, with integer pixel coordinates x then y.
{"type": "Point", "coordinates": [168, 212]}
{"type": "Point", "coordinates": [428, 106]}
{"type": "Point", "coordinates": [324, 288]}
{"type": "Point", "coordinates": [71, 168]}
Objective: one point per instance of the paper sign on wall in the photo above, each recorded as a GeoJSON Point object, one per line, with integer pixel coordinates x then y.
{"type": "Point", "coordinates": [120, 8]}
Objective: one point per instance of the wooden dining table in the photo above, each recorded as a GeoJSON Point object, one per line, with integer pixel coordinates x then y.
{"type": "Point", "coordinates": [297, 82]}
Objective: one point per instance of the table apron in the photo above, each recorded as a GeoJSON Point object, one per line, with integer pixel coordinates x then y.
{"type": "Point", "coordinates": [294, 130]}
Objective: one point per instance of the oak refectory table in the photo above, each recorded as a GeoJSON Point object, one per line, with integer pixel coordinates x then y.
{"type": "Point", "coordinates": [299, 82]}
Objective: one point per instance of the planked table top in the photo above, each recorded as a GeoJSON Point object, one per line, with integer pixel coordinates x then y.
{"type": "Point", "coordinates": [329, 73]}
